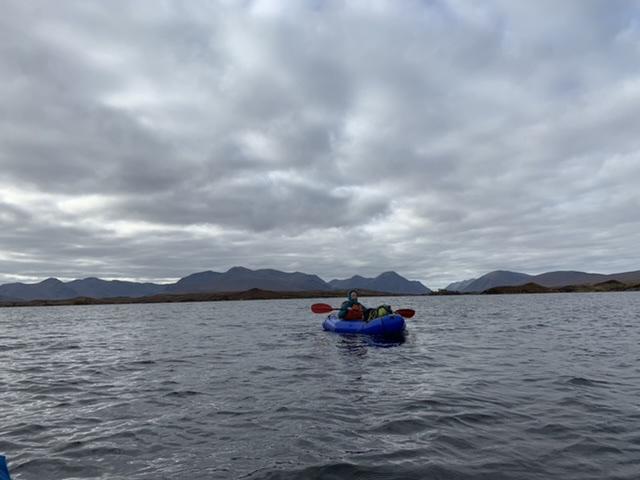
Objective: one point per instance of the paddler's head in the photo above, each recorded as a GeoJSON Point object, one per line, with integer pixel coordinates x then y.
{"type": "Point", "coordinates": [353, 295]}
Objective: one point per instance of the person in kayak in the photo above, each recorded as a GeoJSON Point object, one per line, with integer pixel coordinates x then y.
{"type": "Point", "coordinates": [352, 309]}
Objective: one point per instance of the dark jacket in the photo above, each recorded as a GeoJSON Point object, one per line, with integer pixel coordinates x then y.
{"type": "Point", "coordinates": [346, 305]}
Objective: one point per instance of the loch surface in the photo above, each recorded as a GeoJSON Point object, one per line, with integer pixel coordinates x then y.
{"type": "Point", "coordinates": [482, 387]}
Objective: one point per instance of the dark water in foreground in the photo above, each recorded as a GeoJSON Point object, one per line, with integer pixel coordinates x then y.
{"type": "Point", "coordinates": [487, 387]}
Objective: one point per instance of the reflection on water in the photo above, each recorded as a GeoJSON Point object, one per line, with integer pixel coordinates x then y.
{"type": "Point", "coordinates": [359, 345]}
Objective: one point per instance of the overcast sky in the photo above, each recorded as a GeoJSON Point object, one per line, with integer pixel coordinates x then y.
{"type": "Point", "coordinates": [442, 139]}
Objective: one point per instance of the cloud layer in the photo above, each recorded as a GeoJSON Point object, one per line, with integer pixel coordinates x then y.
{"type": "Point", "coordinates": [441, 139]}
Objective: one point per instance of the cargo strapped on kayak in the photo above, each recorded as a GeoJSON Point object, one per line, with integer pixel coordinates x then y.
{"type": "Point", "coordinates": [381, 311]}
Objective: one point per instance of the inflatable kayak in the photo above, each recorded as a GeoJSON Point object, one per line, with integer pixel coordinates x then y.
{"type": "Point", "coordinates": [392, 324]}
{"type": "Point", "coordinates": [4, 472]}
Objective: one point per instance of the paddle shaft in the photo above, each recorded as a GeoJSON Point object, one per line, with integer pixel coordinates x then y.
{"type": "Point", "coordinates": [325, 308]}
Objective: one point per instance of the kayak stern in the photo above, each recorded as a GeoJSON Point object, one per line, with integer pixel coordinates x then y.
{"type": "Point", "coordinates": [388, 325]}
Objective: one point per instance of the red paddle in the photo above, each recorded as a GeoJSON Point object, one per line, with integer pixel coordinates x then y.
{"type": "Point", "coordinates": [324, 308]}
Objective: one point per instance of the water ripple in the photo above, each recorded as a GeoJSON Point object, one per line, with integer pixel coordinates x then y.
{"type": "Point", "coordinates": [504, 387]}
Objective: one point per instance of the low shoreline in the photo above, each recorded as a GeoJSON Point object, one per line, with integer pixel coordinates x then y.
{"type": "Point", "coordinates": [608, 286]}
{"type": "Point", "coordinates": [259, 294]}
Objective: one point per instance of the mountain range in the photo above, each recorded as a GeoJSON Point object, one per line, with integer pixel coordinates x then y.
{"type": "Point", "coordinates": [235, 279]}
{"type": "Point", "coordinates": [503, 278]}
{"type": "Point", "coordinates": [239, 279]}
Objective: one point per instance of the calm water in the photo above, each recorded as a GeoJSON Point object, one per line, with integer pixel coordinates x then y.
{"type": "Point", "coordinates": [483, 387]}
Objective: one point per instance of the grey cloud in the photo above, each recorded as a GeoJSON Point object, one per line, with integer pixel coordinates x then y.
{"type": "Point", "coordinates": [441, 139]}
{"type": "Point", "coordinates": [258, 205]}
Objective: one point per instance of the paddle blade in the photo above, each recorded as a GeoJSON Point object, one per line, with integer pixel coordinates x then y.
{"type": "Point", "coordinates": [405, 312]}
{"type": "Point", "coordinates": [321, 308]}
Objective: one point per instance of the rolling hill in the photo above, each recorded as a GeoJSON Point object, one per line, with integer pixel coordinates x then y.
{"type": "Point", "coordinates": [385, 282]}
{"type": "Point", "coordinates": [561, 278]}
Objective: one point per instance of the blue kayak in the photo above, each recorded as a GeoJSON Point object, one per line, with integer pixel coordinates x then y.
{"type": "Point", "coordinates": [388, 325]}
{"type": "Point", "coordinates": [4, 472]}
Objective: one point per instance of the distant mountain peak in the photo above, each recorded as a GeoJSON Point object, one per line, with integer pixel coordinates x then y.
{"type": "Point", "coordinates": [390, 274]}
{"type": "Point", "coordinates": [238, 269]}
{"type": "Point", "coordinates": [504, 272]}
{"type": "Point", "coordinates": [238, 279]}
{"type": "Point", "coordinates": [204, 272]}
